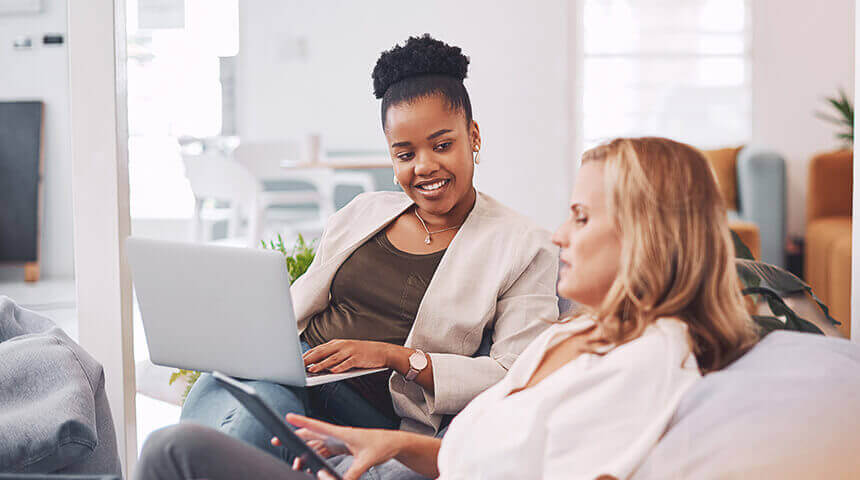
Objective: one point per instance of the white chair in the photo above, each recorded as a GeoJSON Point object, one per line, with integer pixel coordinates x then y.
{"type": "Point", "coordinates": [225, 190]}
{"type": "Point", "coordinates": [264, 159]}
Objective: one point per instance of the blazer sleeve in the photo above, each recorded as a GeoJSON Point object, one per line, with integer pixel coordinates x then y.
{"type": "Point", "coordinates": [522, 312]}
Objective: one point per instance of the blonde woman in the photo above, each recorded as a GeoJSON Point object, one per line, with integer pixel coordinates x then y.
{"type": "Point", "coordinates": [647, 253]}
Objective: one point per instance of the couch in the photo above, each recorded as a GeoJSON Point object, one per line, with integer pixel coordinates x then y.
{"type": "Point", "coordinates": [788, 409]}
{"type": "Point", "coordinates": [56, 419]}
{"type": "Point", "coordinates": [827, 261]}
{"type": "Point", "coordinates": [752, 181]}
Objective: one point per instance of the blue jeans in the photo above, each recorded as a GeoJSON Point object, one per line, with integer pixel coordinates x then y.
{"type": "Point", "coordinates": [209, 404]}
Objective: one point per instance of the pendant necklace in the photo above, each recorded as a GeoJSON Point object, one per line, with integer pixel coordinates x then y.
{"type": "Point", "coordinates": [427, 240]}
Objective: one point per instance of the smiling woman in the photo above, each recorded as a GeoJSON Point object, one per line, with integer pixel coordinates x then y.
{"type": "Point", "coordinates": [413, 281]}
{"type": "Point", "coordinates": [432, 137]}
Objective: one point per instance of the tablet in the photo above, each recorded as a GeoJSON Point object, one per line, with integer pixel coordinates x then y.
{"type": "Point", "coordinates": [276, 424]}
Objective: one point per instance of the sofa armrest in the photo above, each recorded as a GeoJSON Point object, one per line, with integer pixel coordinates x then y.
{"type": "Point", "coordinates": [830, 181]}
{"type": "Point", "coordinates": [761, 199]}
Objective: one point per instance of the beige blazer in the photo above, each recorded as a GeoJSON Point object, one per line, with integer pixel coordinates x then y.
{"type": "Point", "coordinates": [499, 273]}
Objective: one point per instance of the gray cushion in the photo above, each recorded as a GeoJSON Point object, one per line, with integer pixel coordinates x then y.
{"type": "Point", "coordinates": [56, 417]}
{"type": "Point", "coordinates": [789, 408]}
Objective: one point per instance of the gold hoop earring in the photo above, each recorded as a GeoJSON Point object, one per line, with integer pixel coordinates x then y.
{"type": "Point", "coordinates": [477, 157]}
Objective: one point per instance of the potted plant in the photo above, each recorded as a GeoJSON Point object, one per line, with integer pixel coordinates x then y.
{"type": "Point", "coordinates": [843, 117]}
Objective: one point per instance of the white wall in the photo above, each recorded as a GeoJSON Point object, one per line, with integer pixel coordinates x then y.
{"type": "Point", "coordinates": [305, 67]}
{"type": "Point", "coordinates": [802, 52]}
{"type": "Point", "coordinates": [41, 73]}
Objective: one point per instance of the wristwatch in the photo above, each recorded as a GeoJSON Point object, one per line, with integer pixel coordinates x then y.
{"type": "Point", "coordinates": [417, 362]}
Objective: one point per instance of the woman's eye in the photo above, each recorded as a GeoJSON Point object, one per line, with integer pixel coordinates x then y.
{"type": "Point", "coordinates": [405, 156]}
{"type": "Point", "coordinates": [442, 146]}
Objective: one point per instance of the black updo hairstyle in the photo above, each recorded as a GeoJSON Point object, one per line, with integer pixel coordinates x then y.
{"type": "Point", "coordinates": [422, 67]}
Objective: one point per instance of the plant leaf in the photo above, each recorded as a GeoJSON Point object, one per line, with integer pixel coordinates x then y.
{"type": "Point", "coordinates": [741, 249]}
{"type": "Point", "coordinates": [844, 107]}
{"type": "Point", "coordinates": [748, 277]}
{"type": "Point", "coordinates": [768, 324]}
{"type": "Point", "coordinates": [779, 308]}
{"type": "Point", "coordinates": [781, 281]}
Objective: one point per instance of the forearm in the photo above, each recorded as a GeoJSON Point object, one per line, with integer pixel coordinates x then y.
{"type": "Point", "coordinates": [398, 360]}
{"type": "Point", "coordinates": [419, 452]}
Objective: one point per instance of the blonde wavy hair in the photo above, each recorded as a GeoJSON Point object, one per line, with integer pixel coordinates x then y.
{"type": "Point", "coordinates": [677, 255]}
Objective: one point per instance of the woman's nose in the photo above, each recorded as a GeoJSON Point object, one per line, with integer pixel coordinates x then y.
{"type": "Point", "coordinates": [559, 238]}
{"type": "Point", "coordinates": [425, 165]}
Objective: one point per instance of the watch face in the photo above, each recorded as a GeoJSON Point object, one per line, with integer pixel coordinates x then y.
{"type": "Point", "coordinates": [418, 360]}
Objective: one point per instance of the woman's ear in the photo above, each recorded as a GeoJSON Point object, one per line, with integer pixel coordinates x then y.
{"type": "Point", "coordinates": [475, 136]}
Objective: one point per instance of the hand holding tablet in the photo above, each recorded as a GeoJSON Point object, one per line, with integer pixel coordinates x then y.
{"type": "Point", "coordinates": [307, 456]}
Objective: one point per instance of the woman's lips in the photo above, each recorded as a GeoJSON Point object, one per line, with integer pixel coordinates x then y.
{"type": "Point", "coordinates": [436, 192]}
{"type": "Point", "coordinates": [563, 266]}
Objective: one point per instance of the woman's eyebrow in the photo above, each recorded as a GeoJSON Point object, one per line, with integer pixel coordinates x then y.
{"type": "Point", "coordinates": [431, 137]}
{"type": "Point", "coordinates": [440, 132]}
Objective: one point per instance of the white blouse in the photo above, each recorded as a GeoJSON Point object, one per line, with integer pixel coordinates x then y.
{"type": "Point", "coordinates": [596, 415]}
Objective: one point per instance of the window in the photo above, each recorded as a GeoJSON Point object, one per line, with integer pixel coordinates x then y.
{"type": "Point", "coordinates": [674, 68]}
{"type": "Point", "coordinates": [175, 52]}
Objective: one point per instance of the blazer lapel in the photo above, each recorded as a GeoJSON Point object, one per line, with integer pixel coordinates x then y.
{"type": "Point", "coordinates": [315, 284]}
{"type": "Point", "coordinates": [450, 267]}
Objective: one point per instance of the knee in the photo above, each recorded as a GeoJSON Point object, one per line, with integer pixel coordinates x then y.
{"type": "Point", "coordinates": [184, 441]}
{"type": "Point", "coordinates": [281, 398]}
{"type": "Point", "coordinates": [201, 395]}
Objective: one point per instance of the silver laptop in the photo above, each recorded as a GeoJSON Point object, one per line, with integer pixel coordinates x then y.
{"type": "Point", "coordinates": [208, 307]}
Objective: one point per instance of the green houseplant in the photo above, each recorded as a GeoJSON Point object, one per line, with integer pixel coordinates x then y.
{"type": "Point", "coordinates": [843, 117]}
{"type": "Point", "coordinates": [771, 286]}
{"type": "Point", "coordinates": [298, 260]}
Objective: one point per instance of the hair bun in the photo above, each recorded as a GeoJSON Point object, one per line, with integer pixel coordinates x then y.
{"type": "Point", "coordinates": [422, 55]}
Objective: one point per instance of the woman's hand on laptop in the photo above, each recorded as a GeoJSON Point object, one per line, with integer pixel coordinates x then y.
{"type": "Point", "coordinates": [338, 356]}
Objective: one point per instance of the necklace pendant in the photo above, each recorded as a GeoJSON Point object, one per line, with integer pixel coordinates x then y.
{"type": "Point", "coordinates": [427, 240]}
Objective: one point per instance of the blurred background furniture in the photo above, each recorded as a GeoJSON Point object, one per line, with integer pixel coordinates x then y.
{"type": "Point", "coordinates": [229, 192]}
{"type": "Point", "coordinates": [301, 194]}
{"type": "Point", "coordinates": [223, 191]}
{"type": "Point", "coordinates": [752, 181]}
{"type": "Point", "coordinates": [246, 192]}
{"type": "Point", "coordinates": [21, 172]}
{"type": "Point", "coordinates": [827, 264]}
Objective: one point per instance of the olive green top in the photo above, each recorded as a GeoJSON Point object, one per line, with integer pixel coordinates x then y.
{"type": "Point", "coordinates": [375, 296]}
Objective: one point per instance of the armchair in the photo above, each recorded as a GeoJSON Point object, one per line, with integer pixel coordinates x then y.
{"type": "Point", "coordinates": [752, 181]}
{"type": "Point", "coordinates": [827, 263]}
